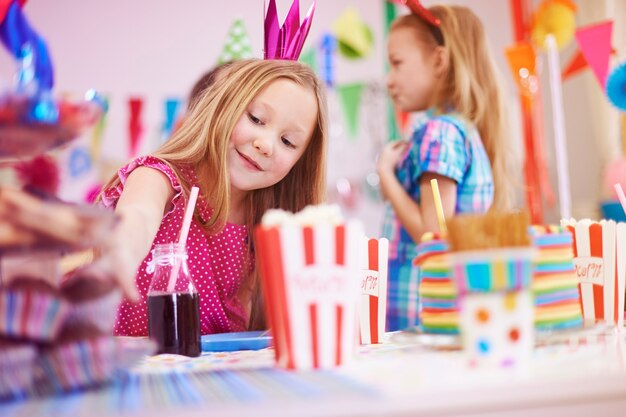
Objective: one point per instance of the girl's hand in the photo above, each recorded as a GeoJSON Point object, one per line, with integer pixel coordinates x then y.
{"type": "Point", "coordinates": [113, 262]}
{"type": "Point", "coordinates": [389, 157]}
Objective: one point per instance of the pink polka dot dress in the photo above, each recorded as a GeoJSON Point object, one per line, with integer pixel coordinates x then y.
{"type": "Point", "coordinates": [216, 262]}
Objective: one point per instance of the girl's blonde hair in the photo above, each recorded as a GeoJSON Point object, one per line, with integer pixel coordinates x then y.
{"type": "Point", "coordinates": [202, 142]}
{"type": "Point", "coordinates": [472, 86]}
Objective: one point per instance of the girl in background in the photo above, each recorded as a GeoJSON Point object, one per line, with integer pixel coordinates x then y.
{"type": "Point", "coordinates": [255, 140]}
{"type": "Point", "coordinates": [440, 64]}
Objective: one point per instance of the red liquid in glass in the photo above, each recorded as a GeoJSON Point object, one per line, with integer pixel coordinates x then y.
{"type": "Point", "coordinates": [174, 323]}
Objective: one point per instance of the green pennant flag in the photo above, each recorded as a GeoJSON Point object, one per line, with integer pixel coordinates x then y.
{"type": "Point", "coordinates": [350, 95]}
{"type": "Point", "coordinates": [237, 44]}
{"type": "Point", "coordinates": [309, 57]}
{"type": "Point", "coordinates": [392, 124]}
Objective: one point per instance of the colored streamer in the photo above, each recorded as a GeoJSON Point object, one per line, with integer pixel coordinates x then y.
{"type": "Point", "coordinates": [135, 128]}
{"type": "Point", "coordinates": [328, 47]}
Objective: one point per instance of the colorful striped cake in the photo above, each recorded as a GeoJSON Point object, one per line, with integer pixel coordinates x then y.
{"type": "Point", "coordinates": [438, 310]}
{"type": "Point", "coordinates": [555, 286]}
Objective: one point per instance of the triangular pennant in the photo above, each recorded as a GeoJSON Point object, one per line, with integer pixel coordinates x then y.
{"type": "Point", "coordinates": [98, 131]}
{"type": "Point", "coordinates": [350, 95]}
{"type": "Point", "coordinates": [328, 46]}
{"type": "Point", "coordinates": [403, 119]}
{"type": "Point", "coordinates": [393, 132]}
{"type": "Point", "coordinates": [237, 44]}
{"type": "Point", "coordinates": [135, 127]}
{"type": "Point", "coordinates": [522, 62]}
{"type": "Point", "coordinates": [575, 65]}
{"type": "Point", "coordinates": [355, 39]}
{"type": "Point", "coordinates": [595, 44]}
{"type": "Point", "coordinates": [171, 114]}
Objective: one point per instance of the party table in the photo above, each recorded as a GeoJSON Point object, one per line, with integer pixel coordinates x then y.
{"type": "Point", "coordinates": [406, 375]}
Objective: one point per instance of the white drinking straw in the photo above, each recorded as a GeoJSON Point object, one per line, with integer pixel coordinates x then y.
{"type": "Point", "coordinates": [558, 121]}
{"type": "Point", "coordinates": [184, 232]}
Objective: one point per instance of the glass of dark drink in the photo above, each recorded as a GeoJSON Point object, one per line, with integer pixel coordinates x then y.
{"type": "Point", "coordinates": [173, 305]}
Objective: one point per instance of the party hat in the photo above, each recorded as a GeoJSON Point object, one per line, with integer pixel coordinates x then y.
{"type": "Point", "coordinates": [237, 45]}
{"type": "Point", "coordinates": [286, 41]}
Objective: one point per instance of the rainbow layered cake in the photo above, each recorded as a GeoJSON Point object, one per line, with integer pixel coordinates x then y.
{"type": "Point", "coordinates": [439, 309]}
{"type": "Point", "coordinates": [555, 287]}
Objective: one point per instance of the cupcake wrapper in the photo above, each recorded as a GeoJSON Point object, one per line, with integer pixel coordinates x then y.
{"type": "Point", "coordinates": [31, 315]}
{"type": "Point", "coordinates": [79, 364]}
{"type": "Point", "coordinates": [100, 312]}
{"type": "Point", "coordinates": [16, 371]}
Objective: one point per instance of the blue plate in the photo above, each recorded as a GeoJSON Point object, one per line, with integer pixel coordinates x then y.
{"type": "Point", "coordinates": [228, 342]}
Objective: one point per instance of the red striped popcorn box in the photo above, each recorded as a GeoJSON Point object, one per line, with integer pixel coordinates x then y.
{"type": "Point", "coordinates": [373, 291]}
{"type": "Point", "coordinates": [600, 263]}
{"type": "Point", "coordinates": [309, 276]}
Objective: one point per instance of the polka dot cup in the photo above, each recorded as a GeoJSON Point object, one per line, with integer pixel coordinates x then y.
{"type": "Point", "coordinates": [496, 305]}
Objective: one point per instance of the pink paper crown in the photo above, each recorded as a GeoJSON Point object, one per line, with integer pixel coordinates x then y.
{"type": "Point", "coordinates": [286, 41]}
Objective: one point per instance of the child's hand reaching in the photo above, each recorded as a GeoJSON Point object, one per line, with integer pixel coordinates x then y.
{"type": "Point", "coordinates": [389, 157]}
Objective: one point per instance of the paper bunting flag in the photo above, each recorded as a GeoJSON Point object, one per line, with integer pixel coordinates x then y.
{"type": "Point", "coordinates": [171, 112]}
{"type": "Point", "coordinates": [354, 37]}
{"type": "Point", "coordinates": [98, 131]}
{"type": "Point", "coordinates": [595, 45]}
{"type": "Point", "coordinates": [350, 95]}
{"type": "Point", "coordinates": [575, 65]}
{"type": "Point", "coordinates": [135, 128]}
{"type": "Point", "coordinates": [328, 46]}
{"type": "Point", "coordinates": [521, 58]}
{"type": "Point", "coordinates": [403, 120]}
{"type": "Point", "coordinates": [393, 131]}
{"type": "Point", "coordinates": [237, 44]}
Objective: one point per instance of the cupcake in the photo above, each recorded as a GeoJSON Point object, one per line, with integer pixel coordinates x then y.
{"type": "Point", "coordinates": [31, 309]}
{"type": "Point", "coordinates": [82, 357]}
{"type": "Point", "coordinates": [92, 300]}
{"type": "Point", "coordinates": [16, 369]}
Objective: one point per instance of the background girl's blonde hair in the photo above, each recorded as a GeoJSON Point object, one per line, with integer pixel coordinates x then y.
{"type": "Point", "coordinates": [472, 86]}
{"type": "Point", "coordinates": [202, 142]}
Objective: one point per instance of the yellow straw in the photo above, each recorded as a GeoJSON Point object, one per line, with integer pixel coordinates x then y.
{"type": "Point", "coordinates": [439, 207]}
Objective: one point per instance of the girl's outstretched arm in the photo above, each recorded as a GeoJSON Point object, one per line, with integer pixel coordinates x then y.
{"type": "Point", "coordinates": [415, 218]}
{"type": "Point", "coordinates": [145, 200]}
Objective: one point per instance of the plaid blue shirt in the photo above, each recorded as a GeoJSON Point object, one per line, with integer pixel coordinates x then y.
{"type": "Point", "coordinates": [449, 146]}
